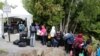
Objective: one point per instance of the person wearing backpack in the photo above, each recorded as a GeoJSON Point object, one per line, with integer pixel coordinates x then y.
{"type": "Point", "coordinates": [32, 35]}
{"type": "Point", "coordinates": [37, 27]}
{"type": "Point", "coordinates": [69, 40]}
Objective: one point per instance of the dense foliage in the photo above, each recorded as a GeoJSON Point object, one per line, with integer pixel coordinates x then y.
{"type": "Point", "coordinates": [69, 15]}
{"type": "Point", "coordinates": [1, 5]}
{"type": "Point", "coordinates": [49, 12]}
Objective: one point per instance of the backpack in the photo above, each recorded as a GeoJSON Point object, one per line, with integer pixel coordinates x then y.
{"type": "Point", "coordinates": [70, 40]}
{"type": "Point", "coordinates": [37, 27]}
{"type": "Point", "coordinates": [16, 42]}
{"type": "Point", "coordinates": [22, 44]}
{"type": "Point", "coordinates": [32, 29]}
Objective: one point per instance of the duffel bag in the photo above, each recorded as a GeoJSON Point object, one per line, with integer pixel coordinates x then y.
{"type": "Point", "coordinates": [22, 44]}
{"type": "Point", "coordinates": [16, 42]}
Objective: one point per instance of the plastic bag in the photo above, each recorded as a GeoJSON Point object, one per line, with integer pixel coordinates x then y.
{"type": "Point", "coordinates": [81, 54]}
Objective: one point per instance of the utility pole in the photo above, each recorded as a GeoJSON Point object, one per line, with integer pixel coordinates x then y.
{"type": "Point", "coordinates": [7, 9]}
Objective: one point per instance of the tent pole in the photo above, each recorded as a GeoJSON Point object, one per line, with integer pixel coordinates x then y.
{"type": "Point", "coordinates": [8, 26]}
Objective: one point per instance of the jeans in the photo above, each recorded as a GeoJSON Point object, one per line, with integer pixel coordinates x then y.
{"type": "Point", "coordinates": [54, 42]}
{"type": "Point", "coordinates": [32, 40]}
{"type": "Point", "coordinates": [43, 40]}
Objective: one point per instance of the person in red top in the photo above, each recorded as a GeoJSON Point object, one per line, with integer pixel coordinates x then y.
{"type": "Point", "coordinates": [79, 38]}
{"type": "Point", "coordinates": [78, 43]}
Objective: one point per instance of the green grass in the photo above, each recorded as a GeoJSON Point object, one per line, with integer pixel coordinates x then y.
{"type": "Point", "coordinates": [3, 51]}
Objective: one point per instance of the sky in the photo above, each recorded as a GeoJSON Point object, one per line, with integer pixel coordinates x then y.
{"type": "Point", "coordinates": [14, 2]}
{"type": "Point", "coordinates": [19, 5]}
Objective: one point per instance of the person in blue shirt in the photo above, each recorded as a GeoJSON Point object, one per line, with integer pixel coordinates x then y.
{"type": "Point", "coordinates": [69, 40]}
{"type": "Point", "coordinates": [98, 50]}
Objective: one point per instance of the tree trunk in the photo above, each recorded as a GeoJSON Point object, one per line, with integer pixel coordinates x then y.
{"type": "Point", "coordinates": [68, 18]}
{"type": "Point", "coordinates": [72, 26]}
{"type": "Point", "coordinates": [63, 24]}
{"type": "Point", "coordinates": [75, 28]}
{"type": "Point", "coordinates": [61, 27]}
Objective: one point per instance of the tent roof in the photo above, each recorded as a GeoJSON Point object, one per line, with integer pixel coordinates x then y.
{"type": "Point", "coordinates": [18, 12]}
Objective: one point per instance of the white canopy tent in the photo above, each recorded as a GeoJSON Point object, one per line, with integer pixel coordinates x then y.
{"type": "Point", "coordinates": [18, 12]}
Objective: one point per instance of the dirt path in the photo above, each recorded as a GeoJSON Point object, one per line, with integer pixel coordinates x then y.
{"type": "Point", "coordinates": [38, 50]}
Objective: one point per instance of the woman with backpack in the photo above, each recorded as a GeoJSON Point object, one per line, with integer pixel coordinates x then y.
{"type": "Point", "coordinates": [69, 40]}
{"type": "Point", "coordinates": [32, 35]}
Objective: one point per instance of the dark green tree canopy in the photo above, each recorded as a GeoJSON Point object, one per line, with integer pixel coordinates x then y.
{"type": "Point", "coordinates": [1, 5]}
{"type": "Point", "coordinates": [49, 12]}
{"type": "Point", "coordinates": [73, 15]}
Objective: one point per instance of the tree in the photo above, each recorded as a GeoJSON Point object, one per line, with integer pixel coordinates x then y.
{"type": "Point", "coordinates": [49, 12]}
{"type": "Point", "coordinates": [71, 15]}
{"type": "Point", "coordinates": [1, 5]}
{"type": "Point", "coordinates": [70, 9]}
{"type": "Point", "coordinates": [87, 17]}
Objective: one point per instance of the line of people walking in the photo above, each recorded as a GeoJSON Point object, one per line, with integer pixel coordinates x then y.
{"type": "Point", "coordinates": [74, 44]}
{"type": "Point", "coordinates": [52, 38]}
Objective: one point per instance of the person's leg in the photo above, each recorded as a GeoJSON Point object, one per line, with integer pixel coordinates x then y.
{"type": "Point", "coordinates": [20, 35]}
{"type": "Point", "coordinates": [70, 47]}
{"type": "Point", "coordinates": [34, 39]}
{"type": "Point", "coordinates": [76, 51]}
{"type": "Point", "coordinates": [42, 40]}
{"type": "Point", "coordinates": [52, 41]}
{"type": "Point", "coordinates": [67, 47]}
{"type": "Point", "coordinates": [65, 44]}
{"type": "Point", "coordinates": [31, 41]}
{"type": "Point", "coordinates": [56, 44]}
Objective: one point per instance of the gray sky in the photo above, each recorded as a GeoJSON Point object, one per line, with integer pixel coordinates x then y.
{"type": "Point", "coordinates": [14, 2]}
